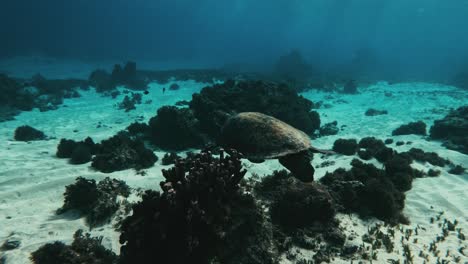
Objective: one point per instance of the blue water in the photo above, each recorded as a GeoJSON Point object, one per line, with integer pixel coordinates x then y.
{"type": "Point", "coordinates": [411, 39]}
{"type": "Point", "coordinates": [150, 80]}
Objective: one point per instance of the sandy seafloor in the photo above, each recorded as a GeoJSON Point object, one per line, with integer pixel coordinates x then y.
{"type": "Point", "coordinates": [32, 179]}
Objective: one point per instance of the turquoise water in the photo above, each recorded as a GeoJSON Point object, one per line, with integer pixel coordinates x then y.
{"type": "Point", "coordinates": [114, 120]}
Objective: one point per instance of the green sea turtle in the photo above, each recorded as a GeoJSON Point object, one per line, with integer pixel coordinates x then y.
{"type": "Point", "coordinates": [259, 137]}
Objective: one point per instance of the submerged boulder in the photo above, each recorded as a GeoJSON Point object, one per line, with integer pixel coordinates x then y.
{"type": "Point", "coordinates": [28, 133]}
{"type": "Point", "coordinates": [120, 152]}
{"type": "Point", "coordinates": [175, 129]}
{"type": "Point", "coordinates": [416, 128]}
{"type": "Point", "coordinates": [345, 146]}
{"type": "Point", "coordinates": [453, 130]}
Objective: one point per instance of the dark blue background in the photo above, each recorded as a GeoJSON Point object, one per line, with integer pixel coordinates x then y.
{"type": "Point", "coordinates": [417, 37]}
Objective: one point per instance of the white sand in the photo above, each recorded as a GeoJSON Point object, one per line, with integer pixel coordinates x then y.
{"type": "Point", "coordinates": [32, 179]}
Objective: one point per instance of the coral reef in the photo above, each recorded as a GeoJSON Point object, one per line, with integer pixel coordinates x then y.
{"type": "Point", "coordinates": [28, 133]}
{"type": "Point", "coordinates": [431, 157]}
{"type": "Point", "coordinates": [374, 148]}
{"type": "Point", "coordinates": [37, 92]}
{"type": "Point", "coordinates": [101, 80]}
{"type": "Point", "coordinates": [453, 130]}
{"type": "Point", "coordinates": [196, 218]}
{"type": "Point", "coordinates": [416, 128]}
{"type": "Point", "coordinates": [12, 96]}
{"type": "Point", "coordinates": [84, 249]}
{"type": "Point", "coordinates": [345, 146]}
{"type": "Point", "coordinates": [375, 112]}
{"type": "Point", "coordinates": [350, 87]}
{"type": "Point", "coordinates": [329, 129]}
{"type": "Point", "coordinates": [129, 102]}
{"type": "Point", "coordinates": [368, 191]}
{"type": "Point", "coordinates": [457, 170]}
{"type": "Point", "coordinates": [120, 152]}
{"type": "Point", "coordinates": [300, 205]}
{"type": "Point", "coordinates": [294, 70]}
{"type": "Point", "coordinates": [174, 87]}
{"type": "Point", "coordinates": [170, 158]}
{"type": "Point", "coordinates": [97, 202]}
{"type": "Point", "coordinates": [78, 152]}
{"type": "Point", "coordinates": [125, 76]}
{"type": "Point", "coordinates": [215, 104]}
{"type": "Point", "coordinates": [175, 129]}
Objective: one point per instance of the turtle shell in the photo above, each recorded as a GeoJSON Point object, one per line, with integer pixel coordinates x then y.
{"type": "Point", "coordinates": [258, 136]}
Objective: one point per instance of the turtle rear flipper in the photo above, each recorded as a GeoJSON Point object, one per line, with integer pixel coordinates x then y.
{"type": "Point", "coordinates": [299, 165]}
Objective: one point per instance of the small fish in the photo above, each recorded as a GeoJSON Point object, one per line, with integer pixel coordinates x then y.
{"type": "Point", "coordinates": [146, 92]}
{"type": "Point", "coordinates": [164, 89]}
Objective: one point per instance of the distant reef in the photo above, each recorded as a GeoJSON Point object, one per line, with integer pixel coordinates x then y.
{"type": "Point", "coordinates": [453, 130]}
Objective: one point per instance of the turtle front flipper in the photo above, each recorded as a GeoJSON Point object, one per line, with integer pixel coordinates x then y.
{"type": "Point", "coordinates": [299, 165]}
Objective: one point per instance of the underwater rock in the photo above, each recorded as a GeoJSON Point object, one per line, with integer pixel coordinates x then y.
{"type": "Point", "coordinates": [374, 148]}
{"type": "Point", "coordinates": [128, 77]}
{"type": "Point", "coordinates": [57, 88]}
{"type": "Point", "coordinates": [350, 87]}
{"type": "Point", "coordinates": [201, 215]}
{"type": "Point", "coordinates": [416, 128]}
{"type": "Point", "coordinates": [433, 173]}
{"type": "Point", "coordinates": [175, 129]}
{"type": "Point", "coordinates": [300, 205]}
{"type": "Point", "coordinates": [293, 69]}
{"type": "Point", "coordinates": [399, 143]}
{"type": "Point", "coordinates": [345, 146]}
{"type": "Point", "coordinates": [170, 158]}
{"type": "Point", "coordinates": [97, 202]}
{"type": "Point", "coordinates": [129, 102]}
{"type": "Point", "coordinates": [215, 104]}
{"type": "Point", "coordinates": [375, 112]}
{"type": "Point", "coordinates": [457, 170]}
{"type": "Point", "coordinates": [79, 152]}
{"type": "Point", "coordinates": [120, 152]}
{"type": "Point", "coordinates": [11, 243]}
{"type": "Point", "coordinates": [28, 133]}
{"type": "Point", "coordinates": [12, 96]}
{"type": "Point", "coordinates": [431, 157]}
{"type": "Point", "coordinates": [174, 87]}
{"type": "Point", "coordinates": [366, 190]}
{"type": "Point", "coordinates": [399, 171]}
{"type": "Point", "coordinates": [329, 129]}
{"type": "Point", "coordinates": [101, 80]}
{"type": "Point", "coordinates": [139, 130]}
{"type": "Point", "coordinates": [453, 130]}
{"type": "Point", "coordinates": [84, 249]}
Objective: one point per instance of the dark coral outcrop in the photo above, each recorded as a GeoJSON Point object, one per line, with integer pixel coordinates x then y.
{"type": "Point", "coordinates": [453, 130]}
{"type": "Point", "coordinates": [175, 129]}
{"type": "Point", "coordinates": [412, 128]}
{"type": "Point", "coordinates": [78, 152]}
{"type": "Point", "coordinates": [120, 152]}
{"type": "Point", "coordinates": [200, 215]}
{"type": "Point", "coordinates": [28, 133]}
{"type": "Point", "coordinates": [370, 191]}
{"type": "Point", "coordinates": [97, 202]}
{"type": "Point", "coordinates": [345, 146]}
{"type": "Point", "coordinates": [84, 249]}
{"type": "Point", "coordinates": [215, 104]}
